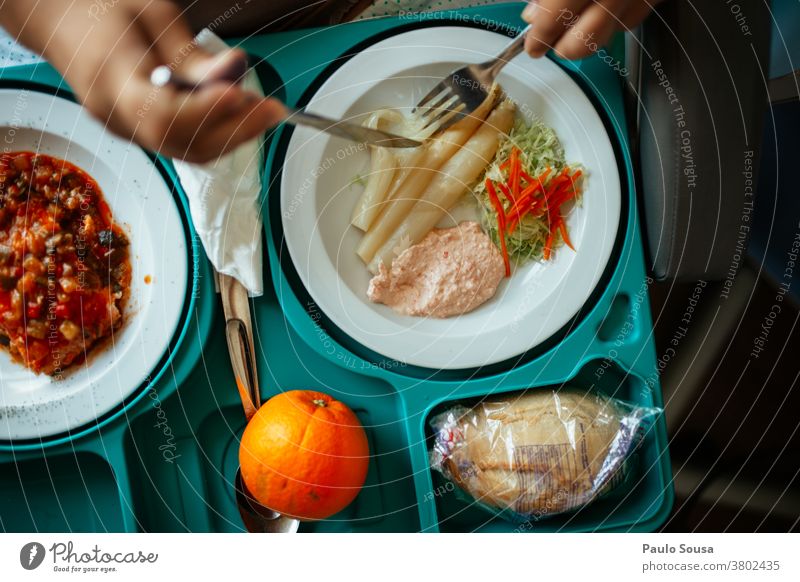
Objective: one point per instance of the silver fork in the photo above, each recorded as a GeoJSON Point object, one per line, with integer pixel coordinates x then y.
{"type": "Point", "coordinates": [463, 90]}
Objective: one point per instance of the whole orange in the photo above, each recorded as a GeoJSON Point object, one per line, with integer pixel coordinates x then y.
{"type": "Point", "coordinates": [304, 455]}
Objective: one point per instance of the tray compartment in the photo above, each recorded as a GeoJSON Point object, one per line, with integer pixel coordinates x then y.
{"type": "Point", "coordinates": [183, 476]}
{"type": "Point", "coordinates": [64, 493]}
{"type": "Point", "coordinates": [632, 506]}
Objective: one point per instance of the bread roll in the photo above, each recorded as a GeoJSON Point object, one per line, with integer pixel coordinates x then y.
{"type": "Point", "coordinates": [537, 453]}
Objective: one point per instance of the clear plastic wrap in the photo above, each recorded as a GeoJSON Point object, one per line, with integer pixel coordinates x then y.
{"type": "Point", "coordinates": [538, 453]}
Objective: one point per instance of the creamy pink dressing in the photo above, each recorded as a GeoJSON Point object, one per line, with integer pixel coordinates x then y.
{"type": "Point", "coordinates": [450, 272]}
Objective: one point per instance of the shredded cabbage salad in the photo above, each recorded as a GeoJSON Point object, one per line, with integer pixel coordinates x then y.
{"type": "Point", "coordinates": [539, 149]}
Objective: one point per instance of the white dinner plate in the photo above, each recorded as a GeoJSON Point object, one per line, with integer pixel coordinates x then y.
{"type": "Point", "coordinates": [318, 194]}
{"type": "Point", "coordinates": [37, 406]}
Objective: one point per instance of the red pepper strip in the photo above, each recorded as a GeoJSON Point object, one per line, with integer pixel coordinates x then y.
{"type": "Point", "coordinates": [564, 194]}
{"type": "Point", "coordinates": [517, 167]}
{"type": "Point", "coordinates": [532, 207]}
{"type": "Point", "coordinates": [505, 164]}
{"type": "Point", "coordinates": [493, 198]}
{"type": "Point", "coordinates": [501, 224]}
{"type": "Point", "coordinates": [565, 191]}
{"type": "Point", "coordinates": [567, 179]}
{"type": "Point", "coordinates": [557, 185]}
{"type": "Point", "coordinates": [506, 192]}
{"type": "Point", "coordinates": [526, 199]}
{"type": "Point", "coordinates": [516, 211]}
{"type": "Point", "coordinates": [555, 194]}
{"type": "Point", "coordinates": [513, 222]}
{"type": "Point", "coordinates": [511, 169]}
{"type": "Point", "coordinates": [502, 236]}
{"type": "Point", "coordinates": [527, 177]}
{"type": "Point", "coordinates": [562, 226]}
{"type": "Point", "coordinates": [548, 245]}
{"type": "Point", "coordinates": [539, 182]}
{"type": "Point", "coordinates": [561, 199]}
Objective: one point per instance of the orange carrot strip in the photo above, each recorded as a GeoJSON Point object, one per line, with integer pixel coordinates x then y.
{"type": "Point", "coordinates": [518, 210]}
{"type": "Point", "coordinates": [501, 224]}
{"type": "Point", "coordinates": [506, 192]}
{"type": "Point", "coordinates": [548, 245]}
{"type": "Point", "coordinates": [562, 226]}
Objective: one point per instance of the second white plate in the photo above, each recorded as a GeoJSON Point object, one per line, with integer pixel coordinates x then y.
{"type": "Point", "coordinates": [37, 406]}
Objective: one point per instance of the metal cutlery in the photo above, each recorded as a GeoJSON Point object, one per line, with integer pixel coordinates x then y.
{"type": "Point", "coordinates": [163, 75]}
{"type": "Point", "coordinates": [459, 93]}
{"type": "Point", "coordinates": [239, 335]}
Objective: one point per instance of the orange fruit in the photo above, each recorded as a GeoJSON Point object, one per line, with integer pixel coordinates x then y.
{"type": "Point", "coordinates": [304, 455]}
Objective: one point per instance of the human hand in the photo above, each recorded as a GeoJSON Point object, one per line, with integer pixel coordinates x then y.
{"type": "Point", "coordinates": [107, 55]}
{"type": "Point", "coordinates": [575, 28]}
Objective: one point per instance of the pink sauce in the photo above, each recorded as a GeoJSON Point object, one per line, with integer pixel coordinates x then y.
{"type": "Point", "coordinates": [452, 271]}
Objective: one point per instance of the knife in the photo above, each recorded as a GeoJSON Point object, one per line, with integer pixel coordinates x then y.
{"type": "Point", "coordinates": [163, 75]}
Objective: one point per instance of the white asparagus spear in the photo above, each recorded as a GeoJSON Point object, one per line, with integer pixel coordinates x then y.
{"type": "Point", "coordinates": [435, 154]}
{"type": "Point", "coordinates": [449, 185]}
{"type": "Point", "coordinates": [383, 163]}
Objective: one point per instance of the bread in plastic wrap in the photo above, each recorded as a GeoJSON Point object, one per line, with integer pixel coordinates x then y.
{"type": "Point", "coordinates": [537, 453]}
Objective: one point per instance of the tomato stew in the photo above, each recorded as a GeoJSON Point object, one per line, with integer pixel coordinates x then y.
{"type": "Point", "coordinates": [65, 270]}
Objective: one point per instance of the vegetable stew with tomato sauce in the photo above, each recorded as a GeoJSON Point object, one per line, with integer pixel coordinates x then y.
{"type": "Point", "coordinates": [65, 270]}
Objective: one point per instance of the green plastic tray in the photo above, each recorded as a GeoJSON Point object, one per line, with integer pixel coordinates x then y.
{"type": "Point", "coordinates": [167, 462]}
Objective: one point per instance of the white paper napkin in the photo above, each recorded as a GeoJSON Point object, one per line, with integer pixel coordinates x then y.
{"type": "Point", "coordinates": [224, 198]}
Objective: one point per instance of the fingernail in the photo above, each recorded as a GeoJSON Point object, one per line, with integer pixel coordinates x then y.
{"type": "Point", "coordinates": [530, 10]}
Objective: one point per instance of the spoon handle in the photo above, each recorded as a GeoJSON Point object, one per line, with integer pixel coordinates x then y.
{"type": "Point", "coordinates": [239, 334]}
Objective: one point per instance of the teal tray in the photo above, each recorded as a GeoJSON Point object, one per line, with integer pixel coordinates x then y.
{"type": "Point", "coordinates": [167, 463]}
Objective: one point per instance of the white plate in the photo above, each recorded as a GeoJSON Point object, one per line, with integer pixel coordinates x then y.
{"type": "Point", "coordinates": [36, 406]}
{"type": "Point", "coordinates": [317, 197]}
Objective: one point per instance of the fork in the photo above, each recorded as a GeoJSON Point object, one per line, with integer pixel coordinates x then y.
{"type": "Point", "coordinates": [463, 90]}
